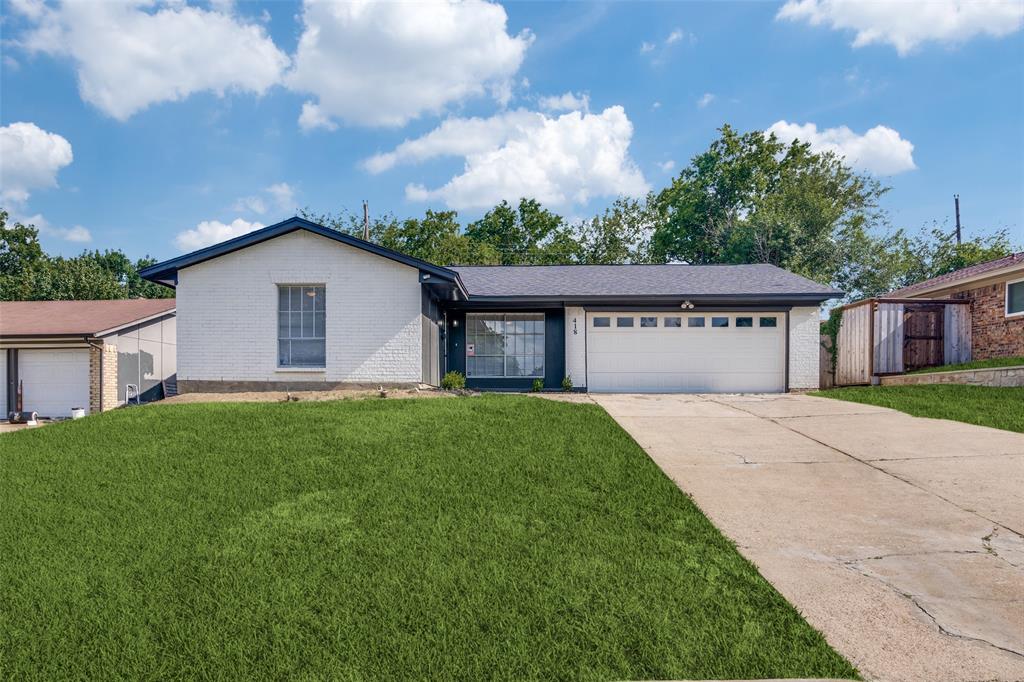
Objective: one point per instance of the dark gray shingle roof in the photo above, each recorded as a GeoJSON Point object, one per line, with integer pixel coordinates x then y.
{"type": "Point", "coordinates": [569, 281]}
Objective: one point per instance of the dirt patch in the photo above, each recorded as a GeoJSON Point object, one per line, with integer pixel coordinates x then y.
{"type": "Point", "coordinates": [282, 396]}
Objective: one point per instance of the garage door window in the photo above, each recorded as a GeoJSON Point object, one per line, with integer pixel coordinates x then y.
{"type": "Point", "coordinates": [505, 345]}
{"type": "Point", "coordinates": [695, 322]}
{"type": "Point", "coordinates": [648, 322]}
{"type": "Point", "coordinates": [744, 322]}
{"type": "Point", "coordinates": [623, 321]}
{"type": "Point", "coordinates": [769, 322]}
{"type": "Point", "coordinates": [602, 321]}
{"type": "Point", "coordinates": [719, 321]}
{"type": "Point", "coordinates": [673, 322]}
{"type": "Point", "coordinates": [301, 333]}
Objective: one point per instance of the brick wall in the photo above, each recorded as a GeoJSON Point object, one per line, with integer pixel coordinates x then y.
{"type": "Point", "coordinates": [804, 345]}
{"type": "Point", "coordinates": [993, 335]}
{"type": "Point", "coordinates": [227, 314]}
{"type": "Point", "coordinates": [102, 384]}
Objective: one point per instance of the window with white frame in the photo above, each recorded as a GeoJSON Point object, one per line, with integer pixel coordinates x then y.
{"type": "Point", "coordinates": [1015, 298]}
{"type": "Point", "coordinates": [301, 326]}
{"type": "Point", "coordinates": [505, 345]}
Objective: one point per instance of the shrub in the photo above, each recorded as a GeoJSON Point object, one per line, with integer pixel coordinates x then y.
{"type": "Point", "coordinates": [453, 381]}
{"type": "Point", "coordinates": [567, 384]}
{"type": "Point", "coordinates": [538, 385]}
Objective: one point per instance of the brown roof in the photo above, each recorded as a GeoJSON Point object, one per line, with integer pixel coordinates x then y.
{"type": "Point", "coordinates": [74, 318]}
{"type": "Point", "coordinates": [971, 271]}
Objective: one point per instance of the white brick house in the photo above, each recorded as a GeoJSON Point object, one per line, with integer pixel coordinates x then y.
{"type": "Point", "coordinates": [297, 305]}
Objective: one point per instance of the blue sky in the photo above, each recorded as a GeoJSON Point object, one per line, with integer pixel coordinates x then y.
{"type": "Point", "coordinates": [157, 128]}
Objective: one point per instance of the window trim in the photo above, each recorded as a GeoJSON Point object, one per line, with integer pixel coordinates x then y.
{"type": "Point", "coordinates": [1006, 298]}
{"type": "Point", "coordinates": [504, 357]}
{"type": "Point", "coordinates": [277, 323]}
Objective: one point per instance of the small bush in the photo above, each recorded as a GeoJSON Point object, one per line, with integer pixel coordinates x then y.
{"type": "Point", "coordinates": [567, 384]}
{"type": "Point", "coordinates": [538, 385]}
{"type": "Point", "coordinates": [453, 381]}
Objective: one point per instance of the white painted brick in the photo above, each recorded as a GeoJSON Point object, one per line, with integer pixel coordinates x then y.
{"type": "Point", "coordinates": [227, 312]}
{"type": "Point", "coordinates": [576, 345]}
{"type": "Point", "coordinates": [804, 339]}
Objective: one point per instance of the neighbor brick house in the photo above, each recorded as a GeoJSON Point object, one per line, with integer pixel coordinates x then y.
{"type": "Point", "coordinates": [996, 292]}
{"type": "Point", "coordinates": [84, 354]}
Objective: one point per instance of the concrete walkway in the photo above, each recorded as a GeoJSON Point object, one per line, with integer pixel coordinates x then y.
{"type": "Point", "coordinates": [901, 539]}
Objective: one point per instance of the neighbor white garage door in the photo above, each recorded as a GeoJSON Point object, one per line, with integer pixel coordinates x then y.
{"type": "Point", "coordinates": [55, 380]}
{"type": "Point", "coordinates": [686, 353]}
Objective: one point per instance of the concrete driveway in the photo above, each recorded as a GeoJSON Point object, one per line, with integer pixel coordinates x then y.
{"type": "Point", "coordinates": [899, 538]}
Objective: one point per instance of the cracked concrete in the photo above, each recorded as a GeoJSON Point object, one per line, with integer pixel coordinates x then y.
{"type": "Point", "coordinates": [898, 537]}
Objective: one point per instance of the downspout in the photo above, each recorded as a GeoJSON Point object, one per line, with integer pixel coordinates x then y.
{"type": "Point", "coordinates": [100, 349]}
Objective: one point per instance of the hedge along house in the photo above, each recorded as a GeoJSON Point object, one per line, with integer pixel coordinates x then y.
{"type": "Point", "coordinates": [68, 354]}
{"type": "Point", "coordinates": [299, 306]}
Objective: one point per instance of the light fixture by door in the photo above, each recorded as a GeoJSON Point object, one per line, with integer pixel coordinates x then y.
{"type": "Point", "coordinates": [686, 305]}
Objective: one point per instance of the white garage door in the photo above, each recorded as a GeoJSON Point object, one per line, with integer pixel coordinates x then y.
{"type": "Point", "coordinates": [686, 353]}
{"type": "Point", "coordinates": [55, 380]}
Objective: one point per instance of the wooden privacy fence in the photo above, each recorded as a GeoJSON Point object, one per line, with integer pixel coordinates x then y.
{"type": "Point", "coordinates": [880, 336]}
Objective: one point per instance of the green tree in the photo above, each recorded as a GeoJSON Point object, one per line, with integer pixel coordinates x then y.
{"type": "Point", "coordinates": [621, 234]}
{"type": "Point", "coordinates": [526, 235]}
{"type": "Point", "coordinates": [20, 256]}
{"type": "Point", "coordinates": [753, 199]}
{"type": "Point", "coordinates": [27, 273]}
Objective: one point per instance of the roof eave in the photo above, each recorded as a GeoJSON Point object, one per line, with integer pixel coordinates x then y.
{"type": "Point", "coordinates": [166, 271]}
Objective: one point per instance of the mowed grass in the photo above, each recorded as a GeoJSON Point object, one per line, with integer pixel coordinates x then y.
{"type": "Point", "coordinates": [974, 364]}
{"type": "Point", "coordinates": [494, 537]}
{"type": "Point", "coordinates": [1000, 408]}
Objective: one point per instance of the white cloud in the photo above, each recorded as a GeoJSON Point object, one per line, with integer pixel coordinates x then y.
{"type": "Point", "coordinates": [667, 166]}
{"type": "Point", "coordinates": [76, 233]}
{"type": "Point", "coordinates": [384, 64]}
{"type": "Point", "coordinates": [568, 101]}
{"type": "Point", "coordinates": [656, 105]}
{"type": "Point", "coordinates": [906, 25]}
{"type": "Point", "coordinates": [30, 158]}
{"type": "Point", "coordinates": [560, 161]}
{"type": "Point", "coordinates": [880, 150]}
{"type": "Point", "coordinates": [313, 117]}
{"type": "Point", "coordinates": [705, 99]}
{"type": "Point", "coordinates": [455, 137]}
{"type": "Point", "coordinates": [132, 54]}
{"type": "Point", "coordinates": [283, 195]}
{"type": "Point", "coordinates": [213, 232]}
{"type": "Point", "coordinates": [647, 47]}
{"type": "Point", "coordinates": [252, 204]}
{"type": "Point", "coordinates": [675, 36]}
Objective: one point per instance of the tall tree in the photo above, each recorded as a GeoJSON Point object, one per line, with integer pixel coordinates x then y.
{"type": "Point", "coordinates": [29, 274]}
{"type": "Point", "coordinates": [621, 234]}
{"type": "Point", "coordinates": [526, 235]}
{"type": "Point", "coordinates": [753, 199]}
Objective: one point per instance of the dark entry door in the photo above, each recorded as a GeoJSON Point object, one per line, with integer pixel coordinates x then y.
{"type": "Point", "coordinates": [922, 337]}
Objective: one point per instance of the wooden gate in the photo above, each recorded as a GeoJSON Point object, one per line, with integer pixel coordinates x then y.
{"type": "Point", "coordinates": [922, 336]}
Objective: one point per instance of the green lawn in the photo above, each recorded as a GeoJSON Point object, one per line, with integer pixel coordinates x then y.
{"type": "Point", "coordinates": [976, 364]}
{"type": "Point", "coordinates": [1001, 408]}
{"type": "Point", "coordinates": [496, 537]}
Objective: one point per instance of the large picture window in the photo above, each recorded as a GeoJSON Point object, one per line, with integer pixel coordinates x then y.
{"type": "Point", "coordinates": [301, 333]}
{"type": "Point", "coordinates": [505, 345]}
